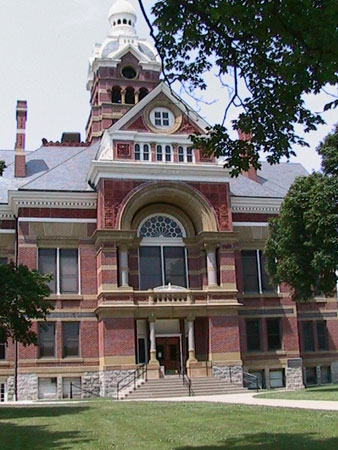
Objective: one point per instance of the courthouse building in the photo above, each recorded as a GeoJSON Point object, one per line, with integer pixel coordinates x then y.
{"type": "Point", "coordinates": [156, 251]}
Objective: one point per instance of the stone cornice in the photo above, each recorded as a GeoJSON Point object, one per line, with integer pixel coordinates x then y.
{"type": "Point", "coordinates": [255, 205]}
{"type": "Point", "coordinates": [127, 238]}
{"type": "Point", "coordinates": [6, 213]}
{"type": "Point", "coordinates": [44, 199]}
{"type": "Point", "coordinates": [212, 238]}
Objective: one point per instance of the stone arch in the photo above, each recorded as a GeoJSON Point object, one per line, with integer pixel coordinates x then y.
{"type": "Point", "coordinates": [177, 198]}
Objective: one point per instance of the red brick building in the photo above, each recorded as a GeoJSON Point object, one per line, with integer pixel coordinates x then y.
{"type": "Point", "coordinates": [156, 251]}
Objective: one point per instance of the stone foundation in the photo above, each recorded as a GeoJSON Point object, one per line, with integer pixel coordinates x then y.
{"type": "Point", "coordinates": [109, 380]}
{"type": "Point", "coordinates": [334, 372]}
{"type": "Point", "coordinates": [27, 387]}
{"type": "Point", "coordinates": [294, 378]}
{"type": "Point", "coordinates": [90, 383]}
{"type": "Point", "coordinates": [231, 374]}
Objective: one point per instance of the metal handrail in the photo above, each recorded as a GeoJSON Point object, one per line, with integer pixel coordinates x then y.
{"type": "Point", "coordinates": [81, 389]}
{"type": "Point", "coordinates": [254, 378]}
{"type": "Point", "coordinates": [186, 380]}
{"type": "Point", "coordinates": [135, 375]}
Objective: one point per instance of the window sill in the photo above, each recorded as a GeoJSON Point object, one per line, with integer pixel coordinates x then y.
{"type": "Point", "coordinates": [72, 359]}
{"type": "Point", "coordinates": [259, 295]}
{"type": "Point", "coordinates": [60, 360]}
{"type": "Point", "coordinates": [65, 297]}
{"type": "Point", "coordinates": [4, 362]}
{"type": "Point", "coordinates": [268, 353]}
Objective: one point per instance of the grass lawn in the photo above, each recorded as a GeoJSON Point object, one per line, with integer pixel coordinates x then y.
{"type": "Point", "coordinates": [327, 392]}
{"type": "Point", "coordinates": [103, 425]}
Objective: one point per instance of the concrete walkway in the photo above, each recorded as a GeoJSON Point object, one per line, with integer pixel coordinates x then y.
{"type": "Point", "coordinates": [249, 399]}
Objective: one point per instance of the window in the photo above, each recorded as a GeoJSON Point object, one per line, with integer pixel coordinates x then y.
{"type": "Point", "coordinates": [162, 118]}
{"type": "Point", "coordinates": [63, 265]}
{"type": "Point", "coordinates": [130, 96]}
{"type": "Point", "coordinates": [274, 335]}
{"type": "Point", "coordinates": [325, 374]}
{"type": "Point", "coordinates": [3, 260]}
{"type": "Point", "coordinates": [255, 277]}
{"type": "Point", "coordinates": [142, 152]}
{"type": "Point", "coordinates": [141, 354]}
{"type": "Point", "coordinates": [322, 335]}
{"type": "Point", "coordinates": [162, 253]}
{"type": "Point", "coordinates": [70, 339]}
{"type": "Point", "coordinates": [310, 375]}
{"type": "Point", "coordinates": [47, 340]}
{"type": "Point", "coordinates": [308, 338]}
{"type": "Point", "coordinates": [2, 350]}
{"type": "Point", "coordinates": [253, 335]}
{"type": "Point", "coordinates": [116, 94]}
{"type": "Point", "coordinates": [277, 379]}
{"type": "Point", "coordinates": [143, 93]}
{"type": "Point", "coordinates": [185, 154]}
{"type": "Point", "coordinates": [163, 151]}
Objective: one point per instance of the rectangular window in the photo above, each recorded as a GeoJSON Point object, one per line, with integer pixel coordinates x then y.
{"type": "Point", "coordinates": [308, 339]}
{"type": "Point", "coordinates": [146, 152]}
{"type": "Point", "coordinates": [47, 264]}
{"type": "Point", "coordinates": [3, 260]}
{"type": "Point", "coordinates": [137, 152]}
{"type": "Point", "coordinates": [167, 153]}
{"type": "Point", "coordinates": [69, 276]}
{"type": "Point", "coordinates": [174, 265]}
{"type": "Point", "coordinates": [267, 286]}
{"type": "Point", "coordinates": [274, 334]}
{"type": "Point", "coordinates": [322, 335]}
{"type": "Point", "coordinates": [277, 379]}
{"type": "Point", "coordinates": [180, 154]}
{"type": "Point", "coordinates": [250, 271]}
{"type": "Point", "coordinates": [253, 335]}
{"type": "Point", "coordinates": [325, 374]}
{"type": "Point", "coordinates": [310, 375]}
{"type": "Point", "coordinates": [2, 350]}
{"type": "Point", "coordinates": [70, 339]}
{"type": "Point", "coordinates": [189, 155]}
{"type": "Point", "coordinates": [150, 267]}
{"type": "Point", "coordinates": [159, 155]}
{"type": "Point", "coordinates": [47, 340]}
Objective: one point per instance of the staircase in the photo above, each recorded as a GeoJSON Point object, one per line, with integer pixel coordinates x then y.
{"type": "Point", "coordinates": [172, 386]}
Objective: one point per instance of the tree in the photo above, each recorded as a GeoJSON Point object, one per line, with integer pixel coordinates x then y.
{"type": "Point", "coordinates": [268, 53]}
{"type": "Point", "coordinates": [302, 249]}
{"type": "Point", "coordinates": [22, 299]}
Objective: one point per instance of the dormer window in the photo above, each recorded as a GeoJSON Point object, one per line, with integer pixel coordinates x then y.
{"type": "Point", "coordinates": [162, 118]}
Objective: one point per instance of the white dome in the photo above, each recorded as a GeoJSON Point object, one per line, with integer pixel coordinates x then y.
{"type": "Point", "coordinates": [122, 7]}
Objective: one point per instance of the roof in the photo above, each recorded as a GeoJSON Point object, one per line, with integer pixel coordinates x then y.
{"type": "Point", "coordinates": [62, 168]}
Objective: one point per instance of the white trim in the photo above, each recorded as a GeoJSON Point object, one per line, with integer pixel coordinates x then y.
{"type": "Point", "coordinates": [79, 269]}
{"type": "Point", "coordinates": [261, 205]}
{"type": "Point", "coordinates": [250, 224]}
{"type": "Point", "coordinates": [129, 170]}
{"type": "Point", "coordinates": [259, 268]}
{"type": "Point", "coordinates": [55, 220]}
{"type": "Point", "coordinates": [7, 231]}
{"type": "Point", "coordinates": [58, 290]}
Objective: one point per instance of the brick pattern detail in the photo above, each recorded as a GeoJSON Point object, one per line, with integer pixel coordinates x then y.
{"type": "Point", "coordinates": [227, 260]}
{"type": "Point", "coordinates": [88, 270]}
{"type": "Point", "coordinates": [224, 334]}
{"type": "Point", "coordinates": [62, 213]}
{"type": "Point", "coordinates": [118, 337]}
{"type": "Point", "coordinates": [201, 337]}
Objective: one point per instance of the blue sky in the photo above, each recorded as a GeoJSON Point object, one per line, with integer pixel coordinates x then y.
{"type": "Point", "coordinates": [44, 48]}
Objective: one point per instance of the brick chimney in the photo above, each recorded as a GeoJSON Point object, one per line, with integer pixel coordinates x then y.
{"type": "Point", "coordinates": [20, 157]}
{"type": "Point", "coordinates": [252, 172]}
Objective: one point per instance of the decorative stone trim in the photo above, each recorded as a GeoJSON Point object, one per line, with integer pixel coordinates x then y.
{"type": "Point", "coordinates": [255, 205]}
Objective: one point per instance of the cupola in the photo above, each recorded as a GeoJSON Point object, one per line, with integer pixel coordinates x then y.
{"type": "Point", "coordinates": [122, 18]}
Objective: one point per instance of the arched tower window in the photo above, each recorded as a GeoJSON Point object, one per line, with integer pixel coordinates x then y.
{"type": "Point", "coordinates": [116, 94]}
{"type": "Point", "coordinates": [162, 252]}
{"type": "Point", "coordinates": [143, 93]}
{"type": "Point", "coordinates": [130, 96]}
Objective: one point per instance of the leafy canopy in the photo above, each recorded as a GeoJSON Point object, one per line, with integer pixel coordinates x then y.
{"type": "Point", "coordinates": [275, 52]}
{"type": "Point", "coordinates": [302, 249]}
{"type": "Point", "coordinates": [22, 299]}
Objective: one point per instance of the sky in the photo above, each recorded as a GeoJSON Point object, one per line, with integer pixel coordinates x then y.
{"type": "Point", "coordinates": [44, 48]}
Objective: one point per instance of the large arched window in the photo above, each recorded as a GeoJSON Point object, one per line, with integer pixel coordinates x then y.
{"type": "Point", "coordinates": [162, 252]}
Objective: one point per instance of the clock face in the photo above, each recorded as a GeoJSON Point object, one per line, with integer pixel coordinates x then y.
{"type": "Point", "coordinates": [162, 118]}
{"type": "Point", "coordinates": [129, 72]}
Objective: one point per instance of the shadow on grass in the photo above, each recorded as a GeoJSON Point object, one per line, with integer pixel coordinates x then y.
{"type": "Point", "coordinates": [271, 441]}
{"type": "Point", "coordinates": [16, 436]}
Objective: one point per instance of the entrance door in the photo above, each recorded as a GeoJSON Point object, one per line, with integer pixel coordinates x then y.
{"type": "Point", "coordinates": [168, 354]}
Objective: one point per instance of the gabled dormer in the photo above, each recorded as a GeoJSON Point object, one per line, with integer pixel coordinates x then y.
{"type": "Point", "coordinates": [122, 71]}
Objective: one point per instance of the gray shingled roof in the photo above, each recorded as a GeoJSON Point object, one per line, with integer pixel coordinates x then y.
{"type": "Point", "coordinates": [65, 169]}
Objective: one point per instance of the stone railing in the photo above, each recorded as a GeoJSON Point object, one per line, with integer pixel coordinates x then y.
{"type": "Point", "coordinates": [171, 298]}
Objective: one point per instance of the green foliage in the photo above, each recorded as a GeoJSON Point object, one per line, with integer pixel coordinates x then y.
{"type": "Point", "coordinates": [302, 249]}
{"type": "Point", "coordinates": [22, 299]}
{"type": "Point", "coordinates": [280, 49]}
{"type": "Point", "coordinates": [2, 167]}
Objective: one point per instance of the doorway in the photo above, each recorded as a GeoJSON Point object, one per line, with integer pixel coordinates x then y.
{"type": "Point", "coordinates": [168, 353]}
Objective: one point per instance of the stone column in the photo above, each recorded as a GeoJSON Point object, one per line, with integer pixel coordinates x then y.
{"type": "Point", "coordinates": [211, 265]}
{"type": "Point", "coordinates": [137, 96]}
{"type": "Point", "coordinates": [191, 340]}
{"type": "Point", "coordinates": [123, 266]}
{"type": "Point", "coordinates": [123, 97]}
{"type": "Point", "coordinates": [153, 359]}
